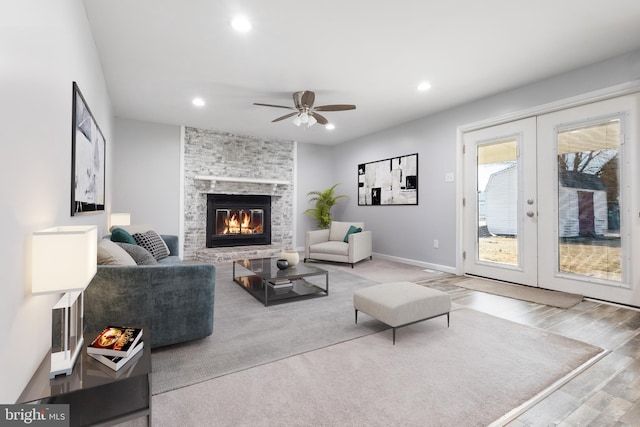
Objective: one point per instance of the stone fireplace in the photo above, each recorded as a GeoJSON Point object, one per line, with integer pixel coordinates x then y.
{"type": "Point", "coordinates": [220, 164]}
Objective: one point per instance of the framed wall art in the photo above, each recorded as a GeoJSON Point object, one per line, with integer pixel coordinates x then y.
{"type": "Point", "coordinates": [391, 181]}
{"type": "Point", "coordinates": [87, 159]}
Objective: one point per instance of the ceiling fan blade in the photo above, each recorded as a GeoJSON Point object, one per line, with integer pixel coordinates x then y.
{"type": "Point", "coordinates": [307, 98]}
{"type": "Point", "coordinates": [321, 119]}
{"type": "Point", "coordinates": [271, 105]}
{"type": "Point", "coordinates": [286, 116]}
{"type": "Point", "coordinates": [336, 107]}
{"type": "Point", "coordinates": [297, 100]}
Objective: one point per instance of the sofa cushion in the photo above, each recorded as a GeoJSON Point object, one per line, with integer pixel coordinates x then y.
{"type": "Point", "coordinates": [330, 247]}
{"type": "Point", "coordinates": [110, 253]}
{"type": "Point", "coordinates": [351, 230]}
{"type": "Point", "coordinates": [152, 242]}
{"type": "Point", "coordinates": [339, 229]}
{"type": "Point", "coordinates": [139, 254]}
{"type": "Point", "coordinates": [122, 235]}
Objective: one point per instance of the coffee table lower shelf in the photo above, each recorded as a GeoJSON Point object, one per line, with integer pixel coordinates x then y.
{"type": "Point", "coordinates": [259, 284]}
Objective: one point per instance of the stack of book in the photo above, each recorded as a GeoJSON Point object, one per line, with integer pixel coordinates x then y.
{"type": "Point", "coordinates": [280, 284]}
{"type": "Point", "coordinates": [116, 345]}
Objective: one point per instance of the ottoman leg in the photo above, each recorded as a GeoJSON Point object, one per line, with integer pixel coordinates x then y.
{"type": "Point", "coordinates": [394, 336]}
{"type": "Point", "coordinates": [356, 316]}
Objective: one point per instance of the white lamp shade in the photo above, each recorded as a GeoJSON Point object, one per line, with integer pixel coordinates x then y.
{"type": "Point", "coordinates": [63, 259]}
{"type": "Point", "coordinates": [120, 219]}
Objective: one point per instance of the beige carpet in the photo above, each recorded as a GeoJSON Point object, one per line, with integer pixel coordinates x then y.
{"type": "Point", "coordinates": [470, 374]}
{"type": "Point", "coordinates": [383, 270]}
{"type": "Point", "coordinates": [521, 292]}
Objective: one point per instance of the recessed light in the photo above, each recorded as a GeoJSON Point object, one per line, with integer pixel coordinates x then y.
{"type": "Point", "coordinates": [241, 24]}
{"type": "Point", "coordinates": [330, 126]}
{"type": "Point", "coordinates": [198, 102]}
{"type": "Point", "coordinates": [424, 86]}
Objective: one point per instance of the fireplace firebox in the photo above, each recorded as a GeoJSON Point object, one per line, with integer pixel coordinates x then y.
{"type": "Point", "coordinates": [238, 220]}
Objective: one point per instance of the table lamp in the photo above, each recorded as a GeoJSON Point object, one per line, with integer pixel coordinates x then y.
{"type": "Point", "coordinates": [120, 219]}
{"type": "Point", "coordinates": [64, 259]}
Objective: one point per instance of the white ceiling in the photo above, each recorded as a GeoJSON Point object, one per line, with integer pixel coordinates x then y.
{"type": "Point", "coordinates": [157, 55]}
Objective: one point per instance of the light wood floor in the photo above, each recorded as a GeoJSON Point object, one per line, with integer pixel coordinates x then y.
{"type": "Point", "coordinates": [608, 392]}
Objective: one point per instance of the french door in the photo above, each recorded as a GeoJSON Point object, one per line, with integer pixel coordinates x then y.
{"type": "Point", "coordinates": [552, 201]}
{"type": "Point", "coordinates": [500, 218]}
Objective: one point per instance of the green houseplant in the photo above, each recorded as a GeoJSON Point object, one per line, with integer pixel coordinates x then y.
{"type": "Point", "coordinates": [324, 201]}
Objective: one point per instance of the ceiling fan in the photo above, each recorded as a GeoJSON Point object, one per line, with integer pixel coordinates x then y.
{"type": "Point", "coordinates": [305, 112]}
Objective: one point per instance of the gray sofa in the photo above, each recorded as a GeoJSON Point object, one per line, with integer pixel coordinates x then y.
{"type": "Point", "coordinates": [175, 300]}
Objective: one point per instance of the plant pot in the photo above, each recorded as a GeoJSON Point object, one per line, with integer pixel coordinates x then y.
{"type": "Point", "coordinates": [291, 256]}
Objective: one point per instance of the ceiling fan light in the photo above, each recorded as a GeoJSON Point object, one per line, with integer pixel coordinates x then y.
{"type": "Point", "coordinates": [304, 118]}
{"type": "Point", "coordinates": [312, 121]}
{"type": "Point", "coordinates": [297, 121]}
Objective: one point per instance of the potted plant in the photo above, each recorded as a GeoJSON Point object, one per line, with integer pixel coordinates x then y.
{"type": "Point", "coordinates": [324, 201]}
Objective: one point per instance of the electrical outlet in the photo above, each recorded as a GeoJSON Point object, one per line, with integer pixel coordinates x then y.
{"type": "Point", "coordinates": [448, 177]}
{"type": "Point", "coordinates": [436, 244]}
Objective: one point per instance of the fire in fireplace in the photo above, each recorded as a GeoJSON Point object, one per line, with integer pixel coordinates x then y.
{"type": "Point", "coordinates": [238, 220]}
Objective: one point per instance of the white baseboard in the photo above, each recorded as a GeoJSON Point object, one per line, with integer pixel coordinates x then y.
{"type": "Point", "coordinates": [437, 267]}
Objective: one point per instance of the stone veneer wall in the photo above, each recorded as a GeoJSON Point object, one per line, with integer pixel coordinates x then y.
{"type": "Point", "coordinates": [208, 152]}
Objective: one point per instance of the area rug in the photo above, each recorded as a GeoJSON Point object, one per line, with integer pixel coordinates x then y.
{"type": "Point", "coordinates": [383, 270]}
{"type": "Point", "coordinates": [470, 374]}
{"type": "Point", "coordinates": [246, 333]}
{"type": "Point", "coordinates": [521, 292]}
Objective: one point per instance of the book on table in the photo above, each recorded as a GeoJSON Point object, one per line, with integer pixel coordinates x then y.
{"type": "Point", "coordinates": [116, 362]}
{"type": "Point", "coordinates": [115, 341]}
{"type": "Point", "coordinates": [280, 283]}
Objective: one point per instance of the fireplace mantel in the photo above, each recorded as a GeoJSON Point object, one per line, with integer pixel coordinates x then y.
{"type": "Point", "coordinates": [208, 182]}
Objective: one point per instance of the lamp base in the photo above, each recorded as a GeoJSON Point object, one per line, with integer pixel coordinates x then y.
{"type": "Point", "coordinates": [62, 362]}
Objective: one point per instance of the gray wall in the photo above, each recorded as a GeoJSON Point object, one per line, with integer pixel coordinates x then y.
{"type": "Point", "coordinates": [408, 232]}
{"type": "Point", "coordinates": [146, 182]}
{"type": "Point", "coordinates": [45, 47]}
{"type": "Point", "coordinates": [314, 173]}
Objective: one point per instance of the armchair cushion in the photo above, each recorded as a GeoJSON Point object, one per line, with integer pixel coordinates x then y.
{"type": "Point", "coordinates": [339, 229]}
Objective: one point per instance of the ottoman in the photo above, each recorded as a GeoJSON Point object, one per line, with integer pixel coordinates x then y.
{"type": "Point", "coordinates": [401, 303]}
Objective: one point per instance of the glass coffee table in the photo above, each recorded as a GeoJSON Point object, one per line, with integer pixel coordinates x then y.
{"type": "Point", "coordinates": [270, 285]}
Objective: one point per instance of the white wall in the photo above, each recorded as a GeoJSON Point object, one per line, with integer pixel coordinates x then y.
{"type": "Point", "coordinates": [44, 46]}
{"type": "Point", "coordinates": [146, 180]}
{"type": "Point", "coordinates": [408, 232]}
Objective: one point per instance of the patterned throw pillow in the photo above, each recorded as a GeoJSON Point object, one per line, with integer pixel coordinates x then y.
{"type": "Point", "coordinates": [152, 242]}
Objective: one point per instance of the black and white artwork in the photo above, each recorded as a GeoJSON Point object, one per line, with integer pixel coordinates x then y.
{"type": "Point", "coordinates": [87, 159]}
{"type": "Point", "coordinates": [391, 181]}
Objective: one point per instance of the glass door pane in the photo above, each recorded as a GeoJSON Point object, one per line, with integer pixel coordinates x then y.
{"type": "Point", "coordinates": [589, 199]}
{"type": "Point", "coordinates": [497, 210]}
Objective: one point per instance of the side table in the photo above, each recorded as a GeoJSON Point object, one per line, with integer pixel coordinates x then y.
{"type": "Point", "coordinates": [96, 394]}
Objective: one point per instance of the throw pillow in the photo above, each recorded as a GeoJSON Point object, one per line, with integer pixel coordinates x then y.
{"type": "Point", "coordinates": [351, 230]}
{"type": "Point", "coordinates": [139, 254]}
{"type": "Point", "coordinates": [152, 242]}
{"type": "Point", "coordinates": [123, 236]}
{"type": "Point", "coordinates": [134, 228]}
{"type": "Point", "coordinates": [111, 254]}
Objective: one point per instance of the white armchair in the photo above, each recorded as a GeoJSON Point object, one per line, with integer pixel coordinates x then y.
{"type": "Point", "coordinates": [334, 244]}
